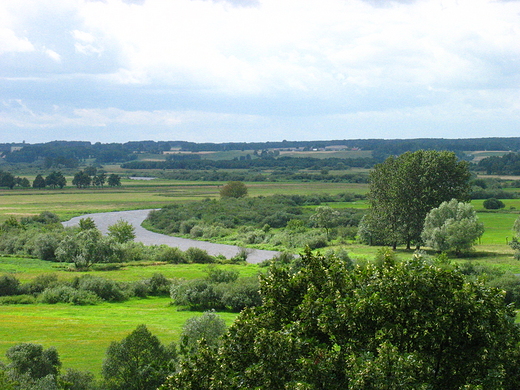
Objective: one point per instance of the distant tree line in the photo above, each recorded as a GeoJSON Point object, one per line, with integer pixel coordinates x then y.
{"type": "Point", "coordinates": [260, 163]}
{"type": "Point", "coordinates": [68, 154]}
{"type": "Point", "coordinates": [508, 164]}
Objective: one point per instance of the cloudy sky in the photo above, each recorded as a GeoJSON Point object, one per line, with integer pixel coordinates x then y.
{"type": "Point", "coordinates": [258, 70]}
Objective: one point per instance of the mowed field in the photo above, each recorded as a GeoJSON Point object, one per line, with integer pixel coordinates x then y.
{"type": "Point", "coordinates": [81, 334]}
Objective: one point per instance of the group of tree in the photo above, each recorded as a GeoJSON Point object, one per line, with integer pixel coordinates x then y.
{"type": "Point", "coordinates": [90, 176]}
{"type": "Point", "coordinates": [8, 180]}
{"type": "Point", "coordinates": [508, 164]}
{"type": "Point", "coordinates": [404, 189]}
{"type": "Point", "coordinates": [53, 180]}
{"type": "Point", "coordinates": [323, 324]}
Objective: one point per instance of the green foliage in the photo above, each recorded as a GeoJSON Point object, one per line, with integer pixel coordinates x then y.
{"type": "Point", "coordinates": [87, 223]}
{"type": "Point", "coordinates": [114, 180]}
{"type": "Point", "coordinates": [122, 231]}
{"type": "Point", "coordinates": [138, 362]}
{"type": "Point", "coordinates": [105, 289]}
{"type": "Point", "coordinates": [9, 285]}
{"type": "Point", "coordinates": [411, 324]}
{"type": "Point", "coordinates": [67, 294]}
{"type": "Point", "coordinates": [55, 179]}
{"type": "Point", "coordinates": [78, 380]}
{"type": "Point", "coordinates": [197, 255]}
{"type": "Point", "coordinates": [32, 361]}
{"type": "Point", "coordinates": [221, 275]}
{"type": "Point", "coordinates": [39, 182]}
{"type": "Point", "coordinates": [208, 327]}
{"type": "Point", "coordinates": [404, 189]}
{"type": "Point", "coordinates": [452, 226]}
{"type": "Point", "coordinates": [325, 217]}
{"type": "Point", "coordinates": [233, 189]}
{"type": "Point", "coordinates": [493, 204]}
{"type": "Point", "coordinates": [169, 254]}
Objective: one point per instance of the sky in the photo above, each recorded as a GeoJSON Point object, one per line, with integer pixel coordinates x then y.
{"type": "Point", "coordinates": [258, 70]}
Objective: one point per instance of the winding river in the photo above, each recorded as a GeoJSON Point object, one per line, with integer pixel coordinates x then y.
{"type": "Point", "coordinates": [136, 218]}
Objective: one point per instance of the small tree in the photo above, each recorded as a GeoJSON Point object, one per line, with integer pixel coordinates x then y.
{"type": "Point", "coordinates": [208, 327]}
{"type": "Point", "coordinates": [138, 362]}
{"type": "Point", "coordinates": [114, 180]}
{"type": "Point", "coordinates": [325, 217]}
{"type": "Point", "coordinates": [87, 223]}
{"type": "Point", "coordinates": [122, 231]}
{"type": "Point", "coordinates": [452, 226]}
{"type": "Point", "coordinates": [233, 189]}
{"type": "Point", "coordinates": [39, 182]}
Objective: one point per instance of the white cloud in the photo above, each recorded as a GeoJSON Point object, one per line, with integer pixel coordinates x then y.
{"type": "Point", "coordinates": [263, 65]}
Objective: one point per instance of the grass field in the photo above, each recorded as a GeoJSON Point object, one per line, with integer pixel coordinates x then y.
{"type": "Point", "coordinates": [81, 334]}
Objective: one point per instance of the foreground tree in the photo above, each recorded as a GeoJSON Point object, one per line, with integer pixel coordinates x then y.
{"type": "Point", "coordinates": [409, 325]}
{"type": "Point", "coordinates": [404, 189]}
{"type": "Point", "coordinates": [138, 362]}
{"type": "Point", "coordinates": [453, 226]}
{"type": "Point", "coordinates": [233, 189]}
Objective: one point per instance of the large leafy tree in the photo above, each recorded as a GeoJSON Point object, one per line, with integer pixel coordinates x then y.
{"type": "Point", "coordinates": [404, 189]}
{"type": "Point", "coordinates": [408, 325]}
{"type": "Point", "coordinates": [233, 189]}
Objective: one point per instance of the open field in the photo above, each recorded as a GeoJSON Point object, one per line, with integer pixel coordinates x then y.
{"type": "Point", "coordinates": [137, 194]}
{"type": "Point", "coordinates": [81, 334]}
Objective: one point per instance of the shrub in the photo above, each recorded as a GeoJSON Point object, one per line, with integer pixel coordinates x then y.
{"type": "Point", "coordinates": [45, 245]}
{"type": "Point", "coordinates": [197, 255]}
{"type": "Point", "coordinates": [24, 299]}
{"type": "Point", "coordinates": [169, 254]}
{"type": "Point", "coordinates": [220, 275]}
{"type": "Point", "coordinates": [9, 285]}
{"type": "Point", "coordinates": [197, 294]}
{"type": "Point", "coordinates": [245, 292]}
{"type": "Point", "coordinates": [158, 284]}
{"type": "Point", "coordinates": [233, 189]}
{"type": "Point", "coordinates": [106, 289]}
{"type": "Point", "coordinates": [67, 294]}
{"type": "Point", "coordinates": [493, 204]}
{"type": "Point", "coordinates": [40, 283]}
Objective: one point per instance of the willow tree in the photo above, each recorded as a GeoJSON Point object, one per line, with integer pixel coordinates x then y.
{"type": "Point", "coordinates": [404, 189]}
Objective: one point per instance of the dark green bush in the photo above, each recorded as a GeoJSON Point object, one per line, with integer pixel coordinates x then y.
{"type": "Point", "coordinates": [9, 285]}
{"type": "Point", "coordinates": [493, 204]}
{"type": "Point", "coordinates": [158, 284]}
{"type": "Point", "coordinates": [171, 255]}
{"type": "Point", "coordinates": [105, 289]}
{"type": "Point", "coordinates": [197, 255]}
{"type": "Point", "coordinates": [40, 283]}
{"type": "Point", "coordinates": [67, 294]}
{"type": "Point", "coordinates": [245, 292]}
{"type": "Point", "coordinates": [197, 295]}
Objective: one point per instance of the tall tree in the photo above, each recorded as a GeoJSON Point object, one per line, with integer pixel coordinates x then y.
{"type": "Point", "coordinates": [39, 182]}
{"type": "Point", "coordinates": [404, 189]}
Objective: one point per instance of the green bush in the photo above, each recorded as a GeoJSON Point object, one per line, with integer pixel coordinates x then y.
{"type": "Point", "coordinates": [24, 299]}
{"type": "Point", "coordinates": [67, 294]}
{"type": "Point", "coordinates": [221, 275]}
{"type": "Point", "coordinates": [245, 292]}
{"type": "Point", "coordinates": [9, 285]}
{"type": "Point", "coordinates": [493, 204]}
{"type": "Point", "coordinates": [197, 255]}
{"type": "Point", "coordinates": [169, 254]}
{"type": "Point", "coordinates": [105, 289]}
{"type": "Point", "coordinates": [39, 284]}
{"type": "Point", "coordinates": [158, 284]}
{"type": "Point", "coordinates": [197, 294]}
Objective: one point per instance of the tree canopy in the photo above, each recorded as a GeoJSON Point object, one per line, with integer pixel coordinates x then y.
{"type": "Point", "coordinates": [404, 189]}
{"type": "Point", "coordinates": [408, 325]}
